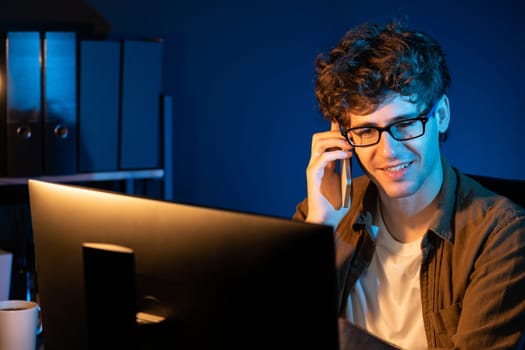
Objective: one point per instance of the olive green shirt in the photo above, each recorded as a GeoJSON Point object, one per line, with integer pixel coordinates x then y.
{"type": "Point", "coordinates": [473, 267]}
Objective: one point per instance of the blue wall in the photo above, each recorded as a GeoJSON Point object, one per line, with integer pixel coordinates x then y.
{"type": "Point", "coordinates": [241, 75]}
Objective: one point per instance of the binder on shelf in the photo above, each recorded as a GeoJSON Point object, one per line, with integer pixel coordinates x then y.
{"type": "Point", "coordinates": [3, 103]}
{"type": "Point", "coordinates": [60, 103]}
{"type": "Point", "coordinates": [140, 132]}
{"type": "Point", "coordinates": [23, 147]}
{"type": "Point", "coordinates": [99, 94]}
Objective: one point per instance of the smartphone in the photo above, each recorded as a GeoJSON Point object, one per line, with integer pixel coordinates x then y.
{"type": "Point", "coordinates": [346, 182]}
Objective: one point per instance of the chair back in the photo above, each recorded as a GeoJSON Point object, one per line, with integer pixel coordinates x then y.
{"type": "Point", "coordinates": [510, 188]}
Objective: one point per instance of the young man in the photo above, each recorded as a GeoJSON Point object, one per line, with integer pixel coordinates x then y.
{"type": "Point", "coordinates": [426, 257]}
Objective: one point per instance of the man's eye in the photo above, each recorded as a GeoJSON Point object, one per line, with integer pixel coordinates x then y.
{"type": "Point", "coordinates": [405, 123]}
{"type": "Point", "coordinates": [364, 132]}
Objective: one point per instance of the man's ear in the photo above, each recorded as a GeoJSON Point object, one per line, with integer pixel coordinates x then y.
{"type": "Point", "coordinates": [442, 114]}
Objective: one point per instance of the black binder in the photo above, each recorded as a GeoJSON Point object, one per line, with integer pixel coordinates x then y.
{"type": "Point", "coordinates": [60, 103]}
{"type": "Point", "coordinates": [140, 140]}
{"type": "Point", "coordinates": [99, 105]}
{"type": "Point", "coordinates": [3, 102]}
{"type": "Point", "coordinates": [23, 99]}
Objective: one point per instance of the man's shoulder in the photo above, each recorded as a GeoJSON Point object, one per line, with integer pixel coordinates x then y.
{"type": "Point", "coordinates": [476, 203]}
{"type": "Point", "coordinates": [470, 192]}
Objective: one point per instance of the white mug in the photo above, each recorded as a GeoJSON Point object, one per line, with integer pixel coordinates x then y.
{"type": "Point", "coordinates": [19, 324]}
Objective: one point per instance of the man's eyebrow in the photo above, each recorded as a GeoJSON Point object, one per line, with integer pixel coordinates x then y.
{"type": "Point", "coordinates": [408, 115]}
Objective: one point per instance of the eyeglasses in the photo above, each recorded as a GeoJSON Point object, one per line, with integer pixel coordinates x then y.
{"type": "Point", "coordinates": [401, 130]}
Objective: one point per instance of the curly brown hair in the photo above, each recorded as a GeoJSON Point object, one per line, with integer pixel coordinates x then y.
{"type": "Point", "coordinates": [372, 62]}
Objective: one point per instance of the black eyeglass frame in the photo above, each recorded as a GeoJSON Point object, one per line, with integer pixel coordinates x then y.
{"type": "Point", "coordinates": [423, 117]}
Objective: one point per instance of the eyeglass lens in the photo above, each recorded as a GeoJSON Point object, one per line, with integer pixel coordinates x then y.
{"type": "Point", "coordinates": [401, 130]}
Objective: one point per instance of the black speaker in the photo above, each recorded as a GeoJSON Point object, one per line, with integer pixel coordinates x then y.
{"type": "Point", "coordinates": [109, 277]}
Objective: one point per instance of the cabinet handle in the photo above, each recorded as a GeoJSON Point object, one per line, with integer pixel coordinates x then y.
{"type": "Point", "coordinates": [24, 132]}
{"type": "Point", "coordinates": [61, 131]}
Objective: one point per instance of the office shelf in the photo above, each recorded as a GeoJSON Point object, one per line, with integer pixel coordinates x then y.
{"type": "Point", "coordinates": [129, 176]}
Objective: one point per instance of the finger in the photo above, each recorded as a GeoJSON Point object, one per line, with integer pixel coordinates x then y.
{"type": "Point", "coordinates": [334, 126]}
{"type": "Point", "coordinates": [326, 160]}
{"type": "Point", "coordinates": [326, 136]}
{"type": "Point", "coordinates": [328, 141]}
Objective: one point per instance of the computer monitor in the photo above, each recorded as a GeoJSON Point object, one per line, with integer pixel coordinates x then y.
{"type": "Point", "coordinates": [222, 279]}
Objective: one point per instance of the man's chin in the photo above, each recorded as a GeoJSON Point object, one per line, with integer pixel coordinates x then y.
{"type": "Point", "coordinates": [395, 189]}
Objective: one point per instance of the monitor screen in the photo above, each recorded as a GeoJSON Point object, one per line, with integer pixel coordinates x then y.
{"type": "Point", "coordinates": [210, 278]}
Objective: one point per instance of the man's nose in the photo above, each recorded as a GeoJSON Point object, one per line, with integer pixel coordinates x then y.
{"type": "Point", "coordinates": [388, 146]}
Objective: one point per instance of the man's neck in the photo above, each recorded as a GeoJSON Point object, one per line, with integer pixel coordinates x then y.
{"type": "Point", "coordinates": [407, 225]}
{"type": "Point", "coordinates": [408, 218]}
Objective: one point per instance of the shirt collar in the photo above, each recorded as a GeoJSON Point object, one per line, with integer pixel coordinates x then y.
{"type": "Point", "coordinates": [441, 224]}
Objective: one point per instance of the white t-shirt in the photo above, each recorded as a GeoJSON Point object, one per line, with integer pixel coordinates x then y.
{"type": "Point", "coordinates": [386, 299]}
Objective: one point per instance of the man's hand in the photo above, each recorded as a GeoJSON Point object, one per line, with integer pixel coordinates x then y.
{"type": "Point", "coordinates": [323, 181]}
